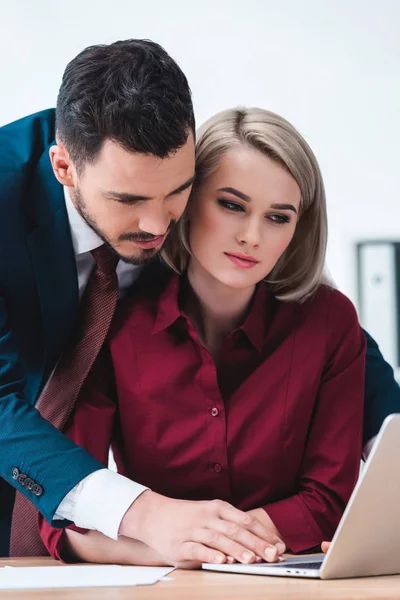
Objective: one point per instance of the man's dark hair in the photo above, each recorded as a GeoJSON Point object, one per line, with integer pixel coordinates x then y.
{"type": "Point", "coordinates": [131, 92]}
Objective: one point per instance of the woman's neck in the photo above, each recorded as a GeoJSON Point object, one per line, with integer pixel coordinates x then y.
{"type": "Point", "coordinates": [214, 308]}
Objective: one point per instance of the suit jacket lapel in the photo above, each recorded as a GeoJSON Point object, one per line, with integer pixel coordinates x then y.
{"type": "Point", "coordinates": [53, 260]}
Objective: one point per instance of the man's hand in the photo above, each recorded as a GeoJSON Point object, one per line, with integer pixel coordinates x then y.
{"type": "Point", "coordinates": [325, 546]}
{"type": "Point", "coordinates": [203, 531]}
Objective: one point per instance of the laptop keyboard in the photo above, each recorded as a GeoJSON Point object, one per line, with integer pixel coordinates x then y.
{"type": "Point", "coordinates": [316, 564]}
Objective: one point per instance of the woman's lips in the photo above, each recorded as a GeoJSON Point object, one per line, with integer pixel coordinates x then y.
{"type": "Point", "coordinates": [148, 244]}
{"type": "Point", "coordinates": [241, 260]}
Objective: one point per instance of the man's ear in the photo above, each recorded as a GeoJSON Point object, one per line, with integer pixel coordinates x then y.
{"type": "Point", "coordinates": [61, 163]}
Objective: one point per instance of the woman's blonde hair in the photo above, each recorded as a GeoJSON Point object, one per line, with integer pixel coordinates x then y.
{"type": "Point", "coordinates": [299, 271]}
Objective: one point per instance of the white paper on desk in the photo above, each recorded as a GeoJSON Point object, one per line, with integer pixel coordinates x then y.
{"type": "Point", "coordinates": [81, 576]}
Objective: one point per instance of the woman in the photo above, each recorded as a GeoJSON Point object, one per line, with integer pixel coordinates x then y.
{"type": "Point", "coordinates": [241, 378]}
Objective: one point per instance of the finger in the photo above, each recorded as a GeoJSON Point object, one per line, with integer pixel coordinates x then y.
{"type": "Point", "coordinates": [252, 524]}
{"type": "Point", "coordinates": [199, 553]}
{"type": "Point", "coordinates": [246, 539]}
{"type": "Point", "coordinates": [261, 531]}
{"type": "Point", "coordinates": [219, 541]}
{"type": "Point", "coordinates": [325, 546]}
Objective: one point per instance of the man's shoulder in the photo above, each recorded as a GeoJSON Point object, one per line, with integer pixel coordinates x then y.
{"type": "Point", "coordinates": [22, 142]}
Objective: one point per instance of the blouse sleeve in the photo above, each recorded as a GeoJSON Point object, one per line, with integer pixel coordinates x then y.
{"type": "Point", "coordinates": [331, 462]}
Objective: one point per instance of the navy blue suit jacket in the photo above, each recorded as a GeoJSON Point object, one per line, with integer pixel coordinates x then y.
{"type": "Point", "coordinates": [38, 305]}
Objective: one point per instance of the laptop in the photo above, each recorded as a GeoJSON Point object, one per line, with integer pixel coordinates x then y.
{"type": "Point", "coordinates": [367, 540]}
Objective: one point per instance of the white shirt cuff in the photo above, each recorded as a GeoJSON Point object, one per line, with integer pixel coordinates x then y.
{"type": "Point", "coordinates": [100, 502]}
{"type": "Point", "coordinates": [368, 447]}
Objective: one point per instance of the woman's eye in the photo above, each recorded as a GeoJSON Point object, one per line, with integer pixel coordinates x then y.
{"type": "Point", "coordinates": [279, 219]}
{"type": "Point", "coordinates": [233, 206]}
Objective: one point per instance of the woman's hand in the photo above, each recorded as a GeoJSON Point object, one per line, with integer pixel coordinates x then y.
{"type": "Point", "coordinates": [325, 546]}
{"type": "Point", "coordinates": [94, 547]}
{"type": "Point", "coordinates": [265, 519]}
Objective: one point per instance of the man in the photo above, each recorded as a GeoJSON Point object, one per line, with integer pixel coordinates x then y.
{"type": "Point", "coordinates": [107, 191]}
{"type": "Point", "coordinates": [78, 218]}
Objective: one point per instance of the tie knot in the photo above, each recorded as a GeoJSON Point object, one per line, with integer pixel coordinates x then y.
{"type": "Point", "coordinates": [106, 259]}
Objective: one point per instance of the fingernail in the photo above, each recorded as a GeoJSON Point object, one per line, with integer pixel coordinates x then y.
{"type": "Point", "coordinates": [219, 559]}
{"type": "Point", "coordinates": [259, 559]}
{"type": "Point", "coordinates": [280, 547]}
{"type": "Point", "coordinates": [270, 553]}
{"type": "Point", "coordinates": [247, 556]}
{"type": "Point", "coordinates": [230, 560]}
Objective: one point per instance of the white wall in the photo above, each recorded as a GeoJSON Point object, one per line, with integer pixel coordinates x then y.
{"type": "Point", "coordinates": [329, 66]}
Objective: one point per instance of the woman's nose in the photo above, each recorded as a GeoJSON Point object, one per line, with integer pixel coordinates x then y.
{"type": "Point", "coordinates": [250, 234]}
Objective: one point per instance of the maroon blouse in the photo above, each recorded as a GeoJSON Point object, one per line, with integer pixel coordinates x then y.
{"type": "Point", "coordinates": [277, 425]}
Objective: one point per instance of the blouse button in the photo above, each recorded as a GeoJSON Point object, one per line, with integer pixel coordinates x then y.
{"type": "Point", "coordinates": [214, 411]}
{"type": "Point", "coordinates": [217, 468]}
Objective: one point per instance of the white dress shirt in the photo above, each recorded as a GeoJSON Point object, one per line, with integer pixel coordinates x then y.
{"type": "Point", "coordinates": [101, 499]}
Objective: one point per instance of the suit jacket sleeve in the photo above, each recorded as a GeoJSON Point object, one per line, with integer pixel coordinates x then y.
{"type": "Point", "coordinates": [28, 443]}
{"type": "Point", "coordinates": [331, 460]}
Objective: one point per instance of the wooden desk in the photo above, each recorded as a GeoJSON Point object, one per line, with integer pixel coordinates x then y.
{"type": "Point", "coordinates": [200, 585]}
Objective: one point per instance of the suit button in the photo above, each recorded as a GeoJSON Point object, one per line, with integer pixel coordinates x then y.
{"type": "Point", "coordinates": [37, 489]}
{"type": "Point", "coordinates": [217, 468]}
{"type": "Point", "coordinates": [15, 473]}
{"type": "Point", "coordinates": [21, 478]}
{"type": "Point", "coordinates": [29, 483]}
{"type": "Point", "coordinates": [214, 411]}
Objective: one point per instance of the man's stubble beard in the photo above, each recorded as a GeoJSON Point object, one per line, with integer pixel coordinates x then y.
{"type": "Point", "coordinates": [145, 257]}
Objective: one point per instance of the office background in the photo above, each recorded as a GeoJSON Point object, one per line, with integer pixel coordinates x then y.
{"type": "Point", "coordinates": [332, 67]}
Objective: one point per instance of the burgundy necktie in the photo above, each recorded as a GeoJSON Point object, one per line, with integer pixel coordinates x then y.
{"type": "Point", "coordinates": [58, 398]}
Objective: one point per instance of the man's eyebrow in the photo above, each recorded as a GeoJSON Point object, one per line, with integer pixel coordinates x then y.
{"type": "Point", "coordinates": [182, 187]}
{"type": "Point", "coordinates": [124, 196]}
{"type": "Point", "coordinates": [131, 198]}
{"type": "Point", "coordinates": [247, 198]}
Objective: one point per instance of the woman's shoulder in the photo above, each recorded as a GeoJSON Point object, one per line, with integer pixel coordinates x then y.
{"type": "Point", "coordinates": [328, 300]}
{"type": "Point", "coordinates": [334, 309]}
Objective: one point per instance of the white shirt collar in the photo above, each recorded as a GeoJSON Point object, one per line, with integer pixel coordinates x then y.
{"type": "Point", "coordinates": [84, 239]}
